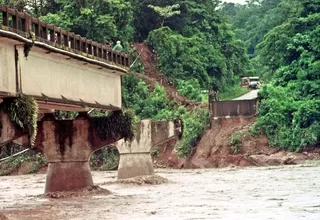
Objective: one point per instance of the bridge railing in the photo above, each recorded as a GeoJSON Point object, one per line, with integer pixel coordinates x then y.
{"type": "Point", "coordinates": [23, 24]}
{"type": "Point", "coordinates": [233, 108]}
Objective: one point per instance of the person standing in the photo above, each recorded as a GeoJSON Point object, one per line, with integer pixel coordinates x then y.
{"type": "Point", "coordinates": [118, 47]}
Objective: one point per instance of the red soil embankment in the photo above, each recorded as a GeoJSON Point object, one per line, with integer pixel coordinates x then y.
{"type": "Point", "coordinates": [215, 149]}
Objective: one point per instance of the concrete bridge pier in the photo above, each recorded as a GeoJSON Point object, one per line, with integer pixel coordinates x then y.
{"type": "Point", "coordinates": [67, 146]}
{"type": "Point", "coordinates": [66, 176]}
{"type": "Point", "coordinates": [135, 157]}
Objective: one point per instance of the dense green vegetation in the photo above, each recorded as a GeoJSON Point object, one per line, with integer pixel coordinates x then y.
{"type": "Point", "coordinates": [283, 39]}
{"type": "Point", "coordinates": [292, 99]}
{"type": "Point", "coordinates": [205, 44]}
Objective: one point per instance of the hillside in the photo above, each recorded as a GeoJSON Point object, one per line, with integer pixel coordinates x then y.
{"type": "Point", "coordinates": [215, 149]}
{"type": "Point", "coordinates": [153, 75]}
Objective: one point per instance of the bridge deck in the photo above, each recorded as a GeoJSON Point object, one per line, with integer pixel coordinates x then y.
{"type": "Point", "coordinates": [63, 70]}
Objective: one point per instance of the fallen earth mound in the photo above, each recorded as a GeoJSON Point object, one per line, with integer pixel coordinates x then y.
{"type": "Point", "coordinates": [142, 180]}
{"type": "Point", "coordinates": [86, 191]}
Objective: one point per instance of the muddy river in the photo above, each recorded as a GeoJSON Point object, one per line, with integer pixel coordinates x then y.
{"type": "Point", "coordinates": [284, 192]}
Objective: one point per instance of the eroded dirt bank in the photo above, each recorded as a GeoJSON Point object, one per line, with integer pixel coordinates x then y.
{"type": "Point", "coordinates": [216, 150]}
{"type": "Point", "coordinates": [283, 192]}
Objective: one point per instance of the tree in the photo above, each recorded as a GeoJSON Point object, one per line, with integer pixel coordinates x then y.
{"type": "Point", "coordinates": [166, 12]}
{"type": "Point", "coordinates": [35, 7]}
{"type": "Point", "coordinates": [102, 21]}
{"type": "Point", "coordinates": [289, 110]}
{"type": "Point", "coordinates": [252, 21]}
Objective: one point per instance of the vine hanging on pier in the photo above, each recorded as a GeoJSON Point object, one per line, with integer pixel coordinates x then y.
{"type": "Point", "coordinates": [23, 112]}
{"type": "Point", "coordinates": [116, 125]}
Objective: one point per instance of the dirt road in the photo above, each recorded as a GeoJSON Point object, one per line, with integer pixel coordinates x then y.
{"type": "Point", "coordinates": [250, 95]}
{"type": "Point", "coordinates": [285, 192]}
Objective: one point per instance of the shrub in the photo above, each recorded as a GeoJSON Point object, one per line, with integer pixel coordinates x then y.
{"type": "Point", "coordinates": [195, 122]}
{"type": "Point", "coordinates": [236, 142]}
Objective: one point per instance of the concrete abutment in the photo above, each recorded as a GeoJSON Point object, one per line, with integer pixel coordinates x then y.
{"type": "Point", "coordinates": [135, 157]}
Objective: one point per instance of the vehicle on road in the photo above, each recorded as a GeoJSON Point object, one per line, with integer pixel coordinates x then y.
{"type": "Point", "coordinates": [251, 82]}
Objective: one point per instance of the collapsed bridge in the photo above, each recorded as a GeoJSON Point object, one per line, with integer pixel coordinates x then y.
{"type": "Point", "coordinates": [60, 69]}
{"type": "Point", "coordinates": [64, 71]}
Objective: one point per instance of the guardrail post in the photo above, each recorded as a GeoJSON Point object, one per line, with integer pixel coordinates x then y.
{"type": "Point", "coordinates": [109, 55]}
{"type": "Point", "coordinates": [89, 49]}
{"type": "Point", "coordinates": [26, 23]}
{"type": "Point", "coordinates": [84, 45]}
{"type": "Point", "coordinates": [5, 17]}
{"type": "Point", "coordinates": [15, 20]}
{"type": "Point", "coordinates": [37, 28]}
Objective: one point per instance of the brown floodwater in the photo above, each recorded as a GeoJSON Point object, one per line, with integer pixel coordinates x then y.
{"type": "Point", "coordinates": [282, 192]}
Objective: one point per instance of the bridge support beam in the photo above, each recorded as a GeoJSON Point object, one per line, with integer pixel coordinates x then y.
{"type": "Point", "coordinates": [135, 157]}
{"type": "Point", "coordinates": [67, 146]}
